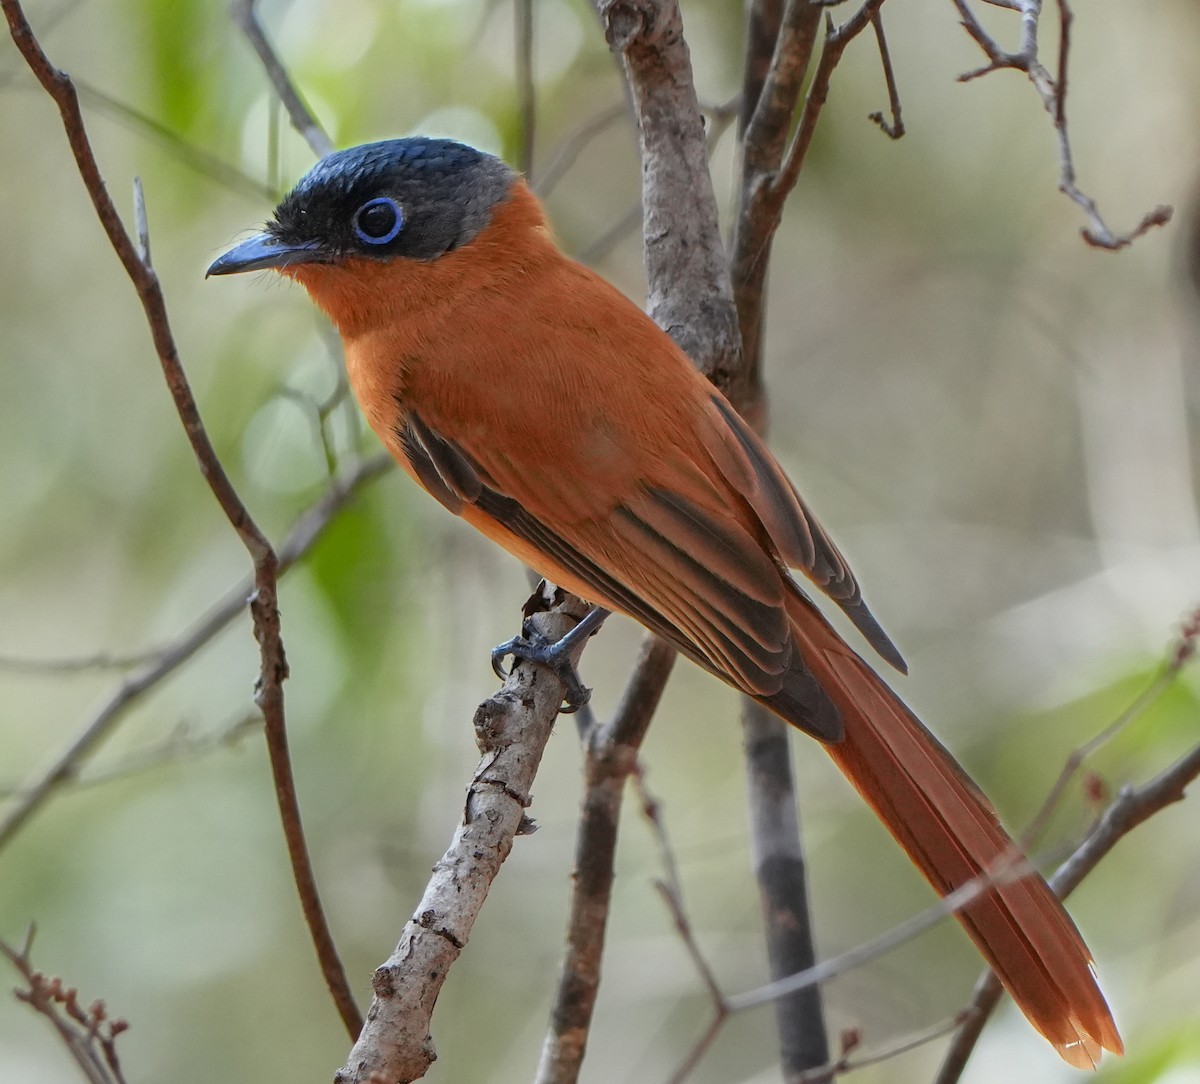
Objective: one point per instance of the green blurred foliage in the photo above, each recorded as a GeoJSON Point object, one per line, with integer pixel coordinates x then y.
{"type": "Point", "coordinates": [995, 421]}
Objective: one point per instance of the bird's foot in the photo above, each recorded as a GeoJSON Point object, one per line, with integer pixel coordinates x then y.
{"type": "Point", "coordinates": [532, 646]}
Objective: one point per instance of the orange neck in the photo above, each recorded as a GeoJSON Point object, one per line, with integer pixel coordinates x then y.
{"type": "Point", "coordinates": [363, 296]}
{"type": "Point", "coordinates": [394, 316]}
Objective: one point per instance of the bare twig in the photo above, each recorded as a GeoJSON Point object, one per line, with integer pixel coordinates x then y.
{"type": "Point", "coordinates": [182, 743]}
{"type": "Point", "coordinates": [984, 999]}
{"type": "Point", "coordinates": [610, 755]}
{"type": "Point", "coordinates": [90, 1035]}
{"type": "Point", "coordinates": [300, 115]}
{"type": "Point", "coordinates": [263, 602]}
{"type": "Point", "coordinates": [988, 991]}
{"type": "Point", "coordinates": [77, 664]}
{"type": "Point", "coordinates": [159, 664]}
{"type": "Point", "coordinates": [1005, 870]}
{"type": "Point", "coordinates": [320, 411]}
{"type": "Point", "coordinates": [512, 729]}
{"type": "Point", "coordinates": [1052, 90]}
{"type": "Point", "coordinates": [574, 145]}
{"type": "Point", "coordinates": [917, 1039]}
{"type": "Point", "coordinates": [194, 157]}
{"type": "Point", "coordinates": [526, 88]}
{"type": "Point", "coordinates": [1080, 754]}
{"type": "Point", "coordinates": [896, 129]}
{"type": "Point", "coordinates": [671, 890]}
{"type": "Point", "coordinates": [721, 1009]}
{"type": "Point", "coordinates": [1010, 868]}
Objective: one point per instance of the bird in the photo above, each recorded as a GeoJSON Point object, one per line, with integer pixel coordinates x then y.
{"type": "Point", "coordinates": [536, 401]}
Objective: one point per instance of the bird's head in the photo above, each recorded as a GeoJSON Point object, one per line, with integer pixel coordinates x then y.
{"type": "Point", "coordinates": [364, 218]}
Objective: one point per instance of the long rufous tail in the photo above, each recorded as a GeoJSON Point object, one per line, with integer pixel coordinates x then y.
{"type": "Point", "coordinates": [952, 834]}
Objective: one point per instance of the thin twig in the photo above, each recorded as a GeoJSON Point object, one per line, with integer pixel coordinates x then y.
{"type": "Point", "coordinates": [526, 87]}
{"type": "Point", "coordinates": [300, 115]}
{"type": "Point", "coordinates": [1052, 90]}
{"type": "Point", "coordinates": [671, 890]}
{"type": "Point", "coordinates": [273, 669]}
{"type": "Point", "coordinates": [181, 744]}
{"type": "Point", "coordinates": [836, 40]}
{"type": "Point", "coordinates": [78, 664]}
{"type": "Point", "coordinates": [164, 661]}
{"type": "Point", "coordinates": [222, 173]}
{"type": "Point", "coordinates": [988, 991]}
{"type": "Point", "coordinates": [1005, 870]}
{"type": "Point", "coordinates": [90, 1035]}
{"type": "Point", "coordinates": [896, 129]}
{"type": "Point", "coordinates": [721, 1009]}
{"type": "Point", "coordinates": [574, 145]}
{"type": "Point", "coordinates": [610, 756]}
{"type": "Point", "coordinates": [1010, 867]}
{"type": "Point", "coordinates": [904, 1045]}
{"type": "Point", "coordinates": [1081, 753]}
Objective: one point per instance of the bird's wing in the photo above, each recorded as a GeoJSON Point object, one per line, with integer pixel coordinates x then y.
{"type": "Point", "coordinates": [692, 575]}
{"type": "Point", "coordinates": [794, 531]}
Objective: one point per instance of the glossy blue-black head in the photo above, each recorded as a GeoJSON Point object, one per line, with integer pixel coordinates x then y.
{"type": "Point", "coordinates": [415, 198]}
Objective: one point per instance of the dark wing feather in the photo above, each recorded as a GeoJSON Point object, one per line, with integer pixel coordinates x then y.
{"type": "Point", "coordinates": [731, 622]}
{"type": "Point", "coordinates": [800, 540]}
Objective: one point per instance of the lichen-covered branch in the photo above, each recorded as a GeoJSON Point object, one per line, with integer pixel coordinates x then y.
{"type": "Point", "coordinates": [512, 729]}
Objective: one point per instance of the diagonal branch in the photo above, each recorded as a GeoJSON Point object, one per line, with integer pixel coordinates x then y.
{"type": "Point", "coordinates": [1131, 808]}
{"type": "Point", "coordinates": [273, 669]}
{"type": "Point", "coordinates": [988, 990]}
{"type": "Point", "coordinates": [300, 115]}
{"type": "Point", "coordinates": [512, 729]}
{"type": "Point", "coordinates": [161, 663]}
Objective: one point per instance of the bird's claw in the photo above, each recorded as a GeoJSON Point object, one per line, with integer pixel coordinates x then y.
{"type": "Point", "coordinates": [531, 646]}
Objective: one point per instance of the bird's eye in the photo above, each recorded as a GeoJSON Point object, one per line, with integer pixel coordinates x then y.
{"type": "Point", "coordinates": [378, 221]}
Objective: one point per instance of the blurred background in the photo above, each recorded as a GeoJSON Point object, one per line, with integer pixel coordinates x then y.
{"type": "Point", "coordinates": [995, 421]}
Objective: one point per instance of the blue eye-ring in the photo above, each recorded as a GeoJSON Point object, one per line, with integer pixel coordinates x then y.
{"type": "Point", "coordinates": [378, 221]}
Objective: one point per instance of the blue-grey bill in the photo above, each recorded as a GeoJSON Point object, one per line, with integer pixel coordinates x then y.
{"type": "Point", "coordinates": [260, 252]}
